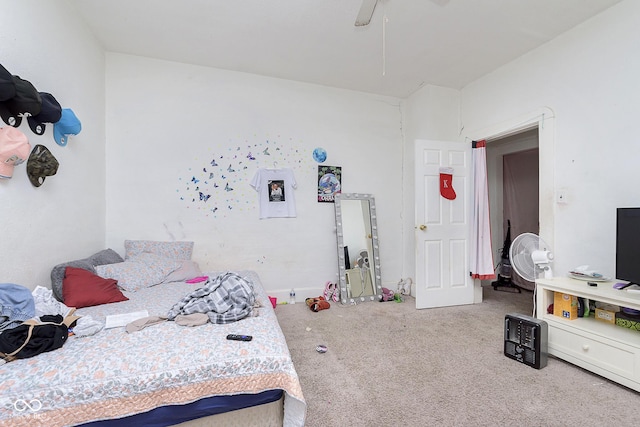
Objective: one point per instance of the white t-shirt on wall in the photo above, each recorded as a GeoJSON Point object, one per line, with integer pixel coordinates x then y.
{"type": "Point", "coordinates": [275, 191]}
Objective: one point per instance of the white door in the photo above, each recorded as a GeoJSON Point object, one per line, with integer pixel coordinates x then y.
{"type": "Point", "coordinates": [443, 225]}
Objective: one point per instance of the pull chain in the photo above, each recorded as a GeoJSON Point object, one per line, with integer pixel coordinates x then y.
{"type": "Point", "coordinates": [384, 44]}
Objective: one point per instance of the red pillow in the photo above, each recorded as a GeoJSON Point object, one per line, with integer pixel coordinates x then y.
{"type": "Point", "coordinates": [82, 288]}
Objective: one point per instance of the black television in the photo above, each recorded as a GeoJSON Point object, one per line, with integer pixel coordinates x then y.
{"type": "Point", "coordinates": [628, 245]}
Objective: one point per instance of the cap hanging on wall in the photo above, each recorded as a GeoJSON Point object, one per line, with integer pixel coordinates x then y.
{"type": "Point", "coordinates": [67, 125]}
{"type": "Point", "coordinates": [14, 149]}
{"type": "Point", "coordinates": [7, 87]}
{"type": "Point", "coordinates": [40, 165]}
{"type": "Point", "coordinates": [26, 100]}
{"type": "Point", "coordinates": [50, 112]}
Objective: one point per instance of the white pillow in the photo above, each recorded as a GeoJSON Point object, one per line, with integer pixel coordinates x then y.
{"type": "Point", "coordinates": [188, 270]}
{"type": "Point", "coordinates": [174, 250]}
{"type": "Point", "coordinates": [139, 272]}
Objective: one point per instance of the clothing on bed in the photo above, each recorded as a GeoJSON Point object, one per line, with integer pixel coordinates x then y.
{"type": "Point", "coordinates": [33, 337]}
{"type": "Point", "coordinates": [225, 298]}
{"type": "Point", "coordinates": [86, 326]}
{"type": "Point", "coordinates": [16, 305]}
{"type": "Point", "coordinates": [195, 319]}
{"type": "Point", "coordinates": [140, 324]}
{"type": "Point", "coordinates": [47, 304]}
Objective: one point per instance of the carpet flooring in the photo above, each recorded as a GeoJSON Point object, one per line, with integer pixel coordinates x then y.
{"type": "Point", "coordinates": [388, 364]}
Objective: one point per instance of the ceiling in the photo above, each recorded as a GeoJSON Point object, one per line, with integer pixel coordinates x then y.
{"type": "Point", "coordinates": [446, 43]}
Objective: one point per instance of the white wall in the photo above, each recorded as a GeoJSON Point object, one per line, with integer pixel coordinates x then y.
{"type": "Point", "coordinates": [164, 118]}
{"type": "Point", "coordinates": [165, 123]}
{"type": "Point", "coordinates": [46, 44]}
{"type": "Point", "coordinates": [589, 78]}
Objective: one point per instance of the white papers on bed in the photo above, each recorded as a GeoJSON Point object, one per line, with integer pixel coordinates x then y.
{"type": "Point", "coordinates": [119, 320]}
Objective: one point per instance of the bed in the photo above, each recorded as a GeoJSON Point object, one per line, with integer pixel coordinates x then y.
{"type": "Point", "coordinates": [163, 374]}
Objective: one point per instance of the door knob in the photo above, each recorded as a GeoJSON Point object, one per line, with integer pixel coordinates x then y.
{"type": "Point", "coordinates": [423, 227]}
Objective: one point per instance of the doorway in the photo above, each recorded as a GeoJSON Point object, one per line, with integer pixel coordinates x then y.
{"type": "Point", "coordinates": [513, 180]}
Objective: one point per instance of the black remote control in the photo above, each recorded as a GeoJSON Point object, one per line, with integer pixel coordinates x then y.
{"type": "Point", "coordinates": [239, 337]}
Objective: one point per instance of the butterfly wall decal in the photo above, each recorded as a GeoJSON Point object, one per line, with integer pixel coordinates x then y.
{"type": "Point", "coordinates": [204, 197]}
{"type": "Point", "coordinates": [227, 187]}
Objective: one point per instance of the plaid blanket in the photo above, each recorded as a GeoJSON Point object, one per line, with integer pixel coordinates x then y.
{"type": "Point", "coordinates": [226, 298]}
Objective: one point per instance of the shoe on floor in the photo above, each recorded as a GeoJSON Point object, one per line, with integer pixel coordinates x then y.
{"type": "Point", "coordinates": [320, 305]}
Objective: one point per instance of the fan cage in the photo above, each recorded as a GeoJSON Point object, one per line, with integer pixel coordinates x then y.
{"type": "Point", "coordinates": [520, 253]}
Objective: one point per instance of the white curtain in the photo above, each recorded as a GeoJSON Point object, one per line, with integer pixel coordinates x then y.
{"type": "Point", "coordinates": [481, 262]}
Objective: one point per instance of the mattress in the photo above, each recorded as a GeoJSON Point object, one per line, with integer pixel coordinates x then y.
{"type": "Point", "coordinates": [115, 374]}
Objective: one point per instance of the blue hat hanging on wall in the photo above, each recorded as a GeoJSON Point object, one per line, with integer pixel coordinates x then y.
{"type": "Point", "coordinates": [67, 125]}
{"type": "Point", "coordinates": [319, 155]}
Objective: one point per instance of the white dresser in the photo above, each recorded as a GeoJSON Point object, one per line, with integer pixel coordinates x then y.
{"type": "Point", "coordinates": [603, 348]}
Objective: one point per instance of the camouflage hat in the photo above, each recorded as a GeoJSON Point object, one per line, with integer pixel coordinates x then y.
{"type": "Point", "coordinates": [40, 165]}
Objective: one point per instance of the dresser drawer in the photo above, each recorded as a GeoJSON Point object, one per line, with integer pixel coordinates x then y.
{"type": "Point", "coordinates": [608, 355]}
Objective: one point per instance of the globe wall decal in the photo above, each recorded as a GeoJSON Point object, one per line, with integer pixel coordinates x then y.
{"type": "Point", "coordinates": [319, 155]}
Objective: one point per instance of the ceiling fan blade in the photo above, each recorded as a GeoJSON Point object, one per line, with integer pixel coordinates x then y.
{"type": "Point", "coordinates": [366, 12]}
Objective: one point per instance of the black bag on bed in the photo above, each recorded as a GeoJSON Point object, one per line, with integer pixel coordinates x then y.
{"type": "Point", "coordinates": [33, 337]}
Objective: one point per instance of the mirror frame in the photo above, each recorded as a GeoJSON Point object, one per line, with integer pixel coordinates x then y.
{"type": "Point", "coordinates": [375, 256]}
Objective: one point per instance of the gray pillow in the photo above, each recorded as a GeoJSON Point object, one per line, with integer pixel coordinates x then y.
{"type": "Point", "coordinates": [106, 256]}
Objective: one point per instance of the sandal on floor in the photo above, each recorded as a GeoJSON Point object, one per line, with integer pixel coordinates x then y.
{"type": "Point", "coordinates": [310, 301]}
{"type": "Point", "coordinates": [320, 305]}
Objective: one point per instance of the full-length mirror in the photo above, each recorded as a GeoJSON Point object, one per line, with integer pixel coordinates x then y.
{"type": "Point", "coordinates": [358, 256]}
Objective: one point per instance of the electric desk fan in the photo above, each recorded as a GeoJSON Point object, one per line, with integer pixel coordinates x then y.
{"type": "Point", "coordinates": [525, 337]}
{"type": "Point", "coordinates": [529, 256]}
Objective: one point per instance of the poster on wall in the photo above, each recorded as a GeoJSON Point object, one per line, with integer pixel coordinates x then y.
{"type": "Point", "coordinates": [329, 183]}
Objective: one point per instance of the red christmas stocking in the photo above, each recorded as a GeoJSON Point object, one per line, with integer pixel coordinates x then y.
{"type": "Point", "coordinates": [446, 186]}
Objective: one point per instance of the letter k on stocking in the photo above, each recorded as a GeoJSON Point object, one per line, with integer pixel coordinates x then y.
{"type": "Point", "coordinates": [446, 186]}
